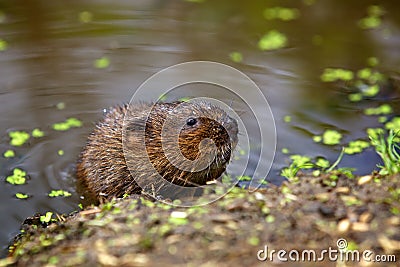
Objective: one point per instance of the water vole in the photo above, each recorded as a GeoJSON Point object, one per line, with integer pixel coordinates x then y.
{"type": "Point", "coordinates": [187, 144]}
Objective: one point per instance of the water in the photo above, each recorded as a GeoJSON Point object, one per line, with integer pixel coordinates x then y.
{"type": "Point", "coordinates": [51, 54]}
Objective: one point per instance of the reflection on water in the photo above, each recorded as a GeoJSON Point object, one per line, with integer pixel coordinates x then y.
{"type": "Point", "coordinates": [51, 51]}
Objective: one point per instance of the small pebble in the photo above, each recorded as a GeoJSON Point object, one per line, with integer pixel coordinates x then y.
{"type": "Point", "coordinates": [365, 217]}
{"type": "Point", "coordinates": [326, 210]}
{"type": "Point", "coordinates": [364, 179]}
{"type": "Point", "coordinates": [360, 227]}
{"type": "Point", "coordinates": [342, 190]}
{"type": "Point", "coordinates": [343, 225]}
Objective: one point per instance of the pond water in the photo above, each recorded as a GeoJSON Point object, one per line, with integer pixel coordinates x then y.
{"type": "Point", "coordinates": [52, 46]}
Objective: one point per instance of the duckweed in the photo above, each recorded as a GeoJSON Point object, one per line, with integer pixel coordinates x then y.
{"type": "Point", "coordinates": [3, 45]}
{"type": "Point", "coordinates": [335, 74]}
{"type": "Point", "coordinates": [66, 125]}
{"type": "Point", "coordinates": [21, 196]}
{"type": "Point", "coordinates": [37, 133]}
{"type": "Point", "coordinates": [329, 137]}
{"type": "Point", "coordinates": [356, 146]}
{"type": "Point", "coordinates": [102, 63]}
{"type": "Point", "coordinates": [17, 178]}
{"type": "Point", "coordinates": [85, 16]}
{"type": "Point", "coordinates": [383, 109]}
{"type": "Point", "coordinates": [18, 138]}
{"type": "Point", "coordinates": [236, 57]}
{"type": "Point", "coordinates": [382, 119]}
{"type": "Point", "coordinates": [272, 40]}
{"type": "Point", "coordinates": [59, 193]}
{"type": "Point", "coordinates": [364, 73]}
{"type": "Point", "coordinates": [281, 13]}
{"type": "Point", "coordinates": [60, 106]}
{"type": "Point", "coordinates": [371, 90]}
{"type": "Point", "coordinates": [373, 20]}
{"type": "Point", "coordinates": [60, 152]}
{"type": "Point", "coordinates": [372, 61]}
{"type": "Point", "coordinates": [285, 150]}
{"type": "Point", "coordinates": [356, 97]}
{"type": "Point", "coordinates": [287, 118]}
{"type": "Point", "coordinates": [322, 163]}
{"type": "Point", "coordinates": [9, 153]}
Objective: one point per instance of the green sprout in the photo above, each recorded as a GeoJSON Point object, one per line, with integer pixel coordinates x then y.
{"type": "Point", "coordinates": [46, 218]}
{"type": "Point", "coordinates": [17, 178]}
{"type": "Point", "coordinates": [303, 162]}
{"type": "Point", "coordinates": [272, 40]}
{"type": "Point", "coordinates": [387, 148]}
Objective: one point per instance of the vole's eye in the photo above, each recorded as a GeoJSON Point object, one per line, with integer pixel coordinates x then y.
{"type": "Point", "coordinates": [191, 121]}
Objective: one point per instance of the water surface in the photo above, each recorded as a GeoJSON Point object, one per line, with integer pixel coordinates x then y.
{"type": "Point", "coordinates": [51, 53]}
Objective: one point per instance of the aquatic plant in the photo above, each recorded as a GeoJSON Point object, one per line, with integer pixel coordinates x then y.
{"type": "Point", "coordinates": [303, 163]}
{"type": "Point", "coordinates": [387, 148]}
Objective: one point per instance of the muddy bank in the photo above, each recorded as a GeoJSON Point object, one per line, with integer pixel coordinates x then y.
{"type": "Point", "coordinates": [309, 215]}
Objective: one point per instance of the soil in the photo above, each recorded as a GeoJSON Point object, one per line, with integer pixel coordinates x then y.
{"type": "Point", "coordinates": [311, 214]}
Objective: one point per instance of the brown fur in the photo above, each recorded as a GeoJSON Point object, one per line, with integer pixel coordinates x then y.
{"type": "Point", "coordinates": [103, 166]}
